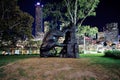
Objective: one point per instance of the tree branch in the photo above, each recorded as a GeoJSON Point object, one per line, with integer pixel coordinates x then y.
{"type": "Point", "coordinates": [14, 25]}
{"type": "Point", "coordinates": [2, 17]}
{"type": "Point", "coordinates": [87, 14]}
{"type": "Point", "coordinates": [75, 12]}
{"type": "Point", "coordinates": [68, 8]}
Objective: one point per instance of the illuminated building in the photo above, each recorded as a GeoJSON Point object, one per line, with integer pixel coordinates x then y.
{"type": "Point", "coordinates": [111, 32]}
{"type": "Point", "coordinates": [39, 28]}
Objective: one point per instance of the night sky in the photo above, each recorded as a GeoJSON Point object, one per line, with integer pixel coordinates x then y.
{"type": "Point", "coordinates": [107, 11]}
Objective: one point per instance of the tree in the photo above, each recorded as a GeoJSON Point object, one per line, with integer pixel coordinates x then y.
{"type": "Point", "coordinates": [74, 12]}
{"type": "Point", "coordinates": [77, 12]}
{"type": "Point", "coordinates": [15, 24]}
{"type": "Point", "coordinates": [93, 31]}
{"type": "Point", "coordinates": [90, 31]}
{"type": "Point", "coordinates": [86, 31]}
{"type": "Point", "coordinates": [53, 14]}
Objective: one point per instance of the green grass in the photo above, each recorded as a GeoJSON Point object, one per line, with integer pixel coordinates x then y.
{"type": "Point", "coordinates": [99, 58]}
{"type": "Point", "coordinates": [1, 72]}
{"type": "Point", "coordinates": [110, 64]}
{"type": "Point", "coordinates": [5, 59]}
{"type": "Point", "coordinates": [94, 58]}
{"type": "Point", "coordinates": [91, 55]}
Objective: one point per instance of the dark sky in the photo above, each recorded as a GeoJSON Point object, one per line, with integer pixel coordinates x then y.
{"type": "Point", "coordinates": [107, 11]}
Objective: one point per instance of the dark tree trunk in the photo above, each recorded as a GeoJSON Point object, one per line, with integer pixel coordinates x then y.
{"type": "Point", "coordinates": [72, 46]}
{"type": "Point", "coordinates": [71, 49]}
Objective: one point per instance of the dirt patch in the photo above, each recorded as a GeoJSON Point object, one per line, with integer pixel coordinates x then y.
{"type": "Point", "coordinates": [56, 69]}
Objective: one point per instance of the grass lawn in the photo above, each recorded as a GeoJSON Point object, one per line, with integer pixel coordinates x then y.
{"type": "Point", "coordinates": [5, 59]}
{"type": "Point", "coordinates": [87, 67]}
{"type": "Point", "coordinates": [104, 61]}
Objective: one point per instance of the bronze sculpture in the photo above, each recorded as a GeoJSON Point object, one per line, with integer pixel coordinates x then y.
{"type": "Point", "coordinates": [50, 41]}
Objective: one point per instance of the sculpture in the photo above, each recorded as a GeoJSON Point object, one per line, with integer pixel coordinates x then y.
{"type": "Point", "coordinates": [50, 41]}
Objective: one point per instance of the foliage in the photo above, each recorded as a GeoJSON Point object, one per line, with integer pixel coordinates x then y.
{"type": "Point", "coordinates": [90, 31]}
{"type": "Point", "coordinates": [75, 11]}
{"type": "Point", "coordinates": [36, 44]}
{"type": "Point", "coordinates": [15, 24]}
{"type": "Point", "coordinates": [79, 10]}
{"type": "Point", "coordinates": [112, 53]}
{"type": "Point", "coordinates": [53, 14]}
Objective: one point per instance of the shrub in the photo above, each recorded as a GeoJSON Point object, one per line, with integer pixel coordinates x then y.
{"type": "Point", "coordinates": [112, 53]}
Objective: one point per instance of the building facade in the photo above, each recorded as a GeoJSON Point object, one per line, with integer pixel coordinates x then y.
{"type": "Point", "coordinates": [39, 26]}
{"type": "Point", "coordinates": [111, 32]}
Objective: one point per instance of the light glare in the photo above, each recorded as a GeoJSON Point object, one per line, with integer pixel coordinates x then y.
{"type": "Point", "coordinates": [38, 3]}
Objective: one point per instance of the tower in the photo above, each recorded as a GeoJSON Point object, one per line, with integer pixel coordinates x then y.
{"type": "Point", "coordinates": [39, 28]}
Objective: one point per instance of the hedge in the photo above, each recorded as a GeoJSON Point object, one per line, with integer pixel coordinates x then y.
{"type": "Point", "coordinates": [112, 53]}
